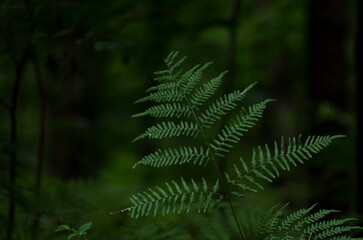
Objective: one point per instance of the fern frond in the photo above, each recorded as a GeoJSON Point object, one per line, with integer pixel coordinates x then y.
{"type": "Point", "coordinates": [171, 73]}
{"type": "Point", "coordinates": [167, 110]}
{"type": "Point", "coordinates": [176, 156]}
{"type": "Point", "coordinates": [177, 80]}
{"type": "Point", "coordinates": [293, 228]}
{"type": "Point", "coordinates": [222, 106]}
{"type": "Point", "coordinates": [190, 80]}
{"type": "Point", "coordinates": [203, 93]}
{"type": "Point", "coordinates": [313, 218]}
{"type": "Point", "coordinates": [231, 133]}
{"type": "Point", "coordinates": [265, 166]}
{"type": "Point", "coordinates": [176, 198]}
{"type": "Point", "coordinates": [264, 221]}
{"type": "Point", "coordinates": [170, 129]}
{"type": "Point", "coordinates": [294, 217]}
{"type": "Point", "coordinates": [178, 84]}
{"type": "Point", "coordinates": [170, 95]}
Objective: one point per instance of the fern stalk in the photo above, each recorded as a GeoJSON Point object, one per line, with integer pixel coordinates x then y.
{"type": "Point", "coordinates": [223, 186]}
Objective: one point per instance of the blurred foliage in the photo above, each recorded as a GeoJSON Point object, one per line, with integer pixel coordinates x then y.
{"type": "Point", "coordinates": [95, 60]}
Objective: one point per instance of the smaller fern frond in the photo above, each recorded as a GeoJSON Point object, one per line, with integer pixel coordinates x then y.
{"type": "Point", "coordinates": [176, 83]}
{"type": "Point", "coordinates": [170, 95]}
{"type": "Point", "coordinates": [266, 166]}
{"type": "Point", "coordinates": [190, 80]}
{"type": "Point", "coordinates": [167, 110]}
{"type": "Point", "coordinates": [312, 218]}
{"type": "Point", "coordinates": [170, 74]}
{"type": "Point", "coordinates": [231, 133]}
{"type": "Point", "coordinates": [294, 226]}
{"type": "Point", "coordinates": [272, 223]}
{"type": "Point", "coordinates": [222, 106]}
{"type": "Point", "coordinates": [203, 93]}
{"type": "Point", "coordinates": [263, 224]}
{"type": "Point", "coordinates": [170, 129]}
{"type": "Point", "coordinates": [294, 217]}
{"type": "Point", "coordinates": [175, 198]}
{"type": "Point", "coordinates": [176, 156]}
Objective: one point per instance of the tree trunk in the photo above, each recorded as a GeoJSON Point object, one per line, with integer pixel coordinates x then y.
{"type": "Point", "coordinates": [359, 72]}
{"type": "Point", "coordinates": [327, 88]}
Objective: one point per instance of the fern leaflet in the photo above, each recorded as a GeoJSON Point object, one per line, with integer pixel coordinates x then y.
{"type": "Point", "coordinates": [177, 197]}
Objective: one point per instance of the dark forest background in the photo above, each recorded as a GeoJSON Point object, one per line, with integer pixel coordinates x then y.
{"type": "Point", "coordinates": [70, 71]}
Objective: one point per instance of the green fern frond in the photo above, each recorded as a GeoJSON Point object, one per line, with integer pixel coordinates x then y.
{"type": "Point", "coordinates": [170, 129]}
{"type": "Point", "coordinates": [222, 106]}
{"type": "Point", "coordinates": [179, 94]}
{"type": "Point", "coordinates": [189, 81]}
{"type": "Point", "coordinates": [178, 84]}
{"type": "Point", "coordinates": [203, 93]}
{"type": "Point", "coordinates": [313, 218]}
{"type": "Point", "coordinates": [171, 95]}
{"type": "Point", "coordinates": [167, 110]}
{"type": "Point", "coordinates": [176, 198]}
{"type": "Point", "coordinates": [171, 73]}
{"type": "Point", "coordinates": [176, 156]}
{"type": "Point", "coordinates": [163, 87]}
{"type": "Point", "coordinates": [231, 133]}
{"type": "Point", "coordinates": [265, 166]}
{"type": "Point", "coordinates": [345, 237]}
{"type": "Point", "coordinates": [294, 217]}
{"type": "Point", "coordinates": [265, 220]}
{"type": "Point", "coordinates": [311, 226]}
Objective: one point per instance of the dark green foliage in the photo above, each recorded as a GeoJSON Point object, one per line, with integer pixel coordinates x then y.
{"type": "Point", "coordinates": [81, 233]}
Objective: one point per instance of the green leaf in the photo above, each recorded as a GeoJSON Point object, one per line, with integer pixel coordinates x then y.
{"type": "Point", "coordinates": [64, 227]}
{"type": "Point", "coordinates": [73, 235]}
{"type": "Point", "coordinates": [85, 227]}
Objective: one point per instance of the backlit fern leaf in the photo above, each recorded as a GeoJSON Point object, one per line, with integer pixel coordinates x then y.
{"type": "Point", "coordinates": [179, 94]}
{"type": "Point", "coordinates": [266, 166]}
{"type": "Point", "coordinates": [299, 226]}
{"type": "Point", "coordinates": [167, 110]}
{"type": "Point", "coordinates": [170, 95]}
{"type": "Point", "coordinates": [176, 156]}
{"type": "Point", "coordinates": [231, 133]}
{"type": "Point", "coordinates": [222, 106]}
{"type": "Point", "coordinates": [170, 129]}
{"type": "Point", "coordinates": [189, 81]}
{"type": "Point", "coordinates": [176, 198]}
{"type": "Point", "coordinates": [178, 83]}
{"type": "Point", "coordinates": [203, 93]}
{"type": "Point", "coordinates": [171, 73]}
{"type": "Point", "coordinates": [287, 223]}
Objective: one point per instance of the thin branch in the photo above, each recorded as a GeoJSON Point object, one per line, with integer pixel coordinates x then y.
{"type": "Point", "coordinates": [311, 234]}
{"type": "Point", "coordinates": [19, 68]}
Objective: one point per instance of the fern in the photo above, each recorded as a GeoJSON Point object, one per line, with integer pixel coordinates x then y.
{"type": "Point", "coordinates": [177, 198]}
{"type": "Point", "coordinates": [170, 129]}
{"type": "Point", "coordinates": [176, 156]}
{"type": "Point", "coordinates": [231, 133]}
{"type": "Point", "coordinates": [182, 94]}
{"type": "Point", "coordinates": [266, 166]}
{"type": "Point", "coordinates": [301, 225]}
{"type": "Point", "coordinates": [167, 110]}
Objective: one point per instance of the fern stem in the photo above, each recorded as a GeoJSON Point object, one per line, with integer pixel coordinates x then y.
{"type": "Point", "coordinates": [223, 186]}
